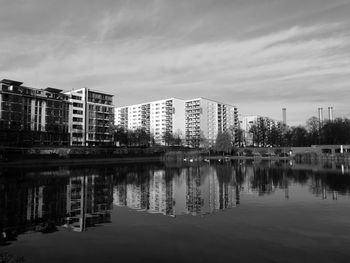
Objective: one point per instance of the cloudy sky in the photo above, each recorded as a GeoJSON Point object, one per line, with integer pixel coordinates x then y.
{"type": "Point", "coordinates": [260, 55]}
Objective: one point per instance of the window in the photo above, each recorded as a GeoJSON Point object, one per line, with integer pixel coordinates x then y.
{"type": "Point", "coordinates": [78, 112]}
{"type": "Point", "coordinates": [76, 97]}
{"type": "Point", "coordinates": [77, 119]}
{"type": "Point", "coordinates": [78, 105]}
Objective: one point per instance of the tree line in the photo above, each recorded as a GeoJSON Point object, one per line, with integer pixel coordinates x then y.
{"type": "Point", "coordinates": [142, 138]}
{"type": "Point", "coordinates": [266, 132]}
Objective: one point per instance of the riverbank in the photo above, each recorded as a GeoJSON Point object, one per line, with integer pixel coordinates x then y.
{"type": "Point", "coordinates": [227, 158]}
{"type": "Point", "coordinates": [87, 161]}
{"type": "Point", "coordinates": [91, 156]}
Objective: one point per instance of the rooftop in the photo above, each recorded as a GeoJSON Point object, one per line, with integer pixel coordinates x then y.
{"type": "Point", "coordinates": [11, 82]}
{"type": "Point", "coordinates": [201, 98]}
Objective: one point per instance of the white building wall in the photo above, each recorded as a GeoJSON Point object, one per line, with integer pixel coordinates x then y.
{"type": "Point", "coordinates": [78, 104]}
{"type": "Point", "coordinates": [134, 115]}
{"type": "Point", "coordinates": [157, 120]}
{"type": "Point", "coordinates": [209, 118]}
{"type": "Point", "coordinates": [179, 118]}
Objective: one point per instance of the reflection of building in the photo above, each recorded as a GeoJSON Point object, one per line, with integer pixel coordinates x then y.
{"type": "Point", "coordinates": [194, 201]}
{"type": "Point", "coordinates": [133, 194]}
{"type": "Point", "coordinates": [205, 118]}
{"type": "Point", "coordinates": [120, 194]}
{"type": "Point", "coordinates": [31, 116]}
{"type": "Point", "coordinates": [193, 191]}
{"type": "Point", "coordinates": [88, 201]}
{"type": "Point", "coordinates": [35, 203]}
{"type": "Point", "coordinates": [161, 194]}
{"type": "Point", "coordinates": [158, 118]}
{"type": "Point", "coordinates": [92, 116]}
{"type": "Point", "coordinates": [26, 205]}
{"type": "Point", "coordinates": [210, 190]}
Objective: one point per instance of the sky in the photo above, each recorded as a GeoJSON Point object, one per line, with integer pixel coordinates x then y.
{"type": "Point", "coordinates": [259, 55]}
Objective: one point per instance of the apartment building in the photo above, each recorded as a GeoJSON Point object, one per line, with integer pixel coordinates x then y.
{"type": "Point", "coordinates": [30, 116]}
{"type": "Point", "coordinates": [158, 118]}
{"type": "Point", "coordinates": [92, 117]}
{"type": "Point", "coordinates": [206, 118]}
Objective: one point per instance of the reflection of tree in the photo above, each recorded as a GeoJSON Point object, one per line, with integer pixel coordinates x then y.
{"type": "Point", "coordinates": [330, 182]}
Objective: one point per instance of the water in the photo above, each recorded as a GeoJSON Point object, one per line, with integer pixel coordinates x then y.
{"type": "Point", "coordinates": [243, 212]}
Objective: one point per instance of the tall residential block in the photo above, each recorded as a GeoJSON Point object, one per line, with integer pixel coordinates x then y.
{"type": "Point", "coordinates": [158, 118]}
{"type": "Point", "coordinates": [30, 116]}
{"type": "Point", "coordinates": [92, 117]}
{"type": "Point", "coordinates": [206, 118]}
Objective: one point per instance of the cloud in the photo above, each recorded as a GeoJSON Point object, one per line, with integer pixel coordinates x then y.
{"type": "Point", "coordinates": [146, 50]}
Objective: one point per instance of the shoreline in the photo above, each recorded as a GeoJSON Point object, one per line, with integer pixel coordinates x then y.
{"type": "Point", "coordinates": [35, 162]}
{"type": "Point", "coordinates": [122, 160]}
{"type": "Point", "coordinates": [72, 161]}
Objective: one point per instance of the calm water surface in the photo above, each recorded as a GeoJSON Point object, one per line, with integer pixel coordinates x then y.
{"type": "Point", "coordinates": [243, 212]}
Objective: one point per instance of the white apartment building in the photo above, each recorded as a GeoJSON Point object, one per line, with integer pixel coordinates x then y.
{"type": "Point", "coordinates": [205, 118]}
{"type": "Point", "coordinates": [92, 117]}
{"type": "Point", "coordinates": [156, 117]}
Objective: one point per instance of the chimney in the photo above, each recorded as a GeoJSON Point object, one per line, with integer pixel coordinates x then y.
{"type": "Point", "coordinates": [330, 113]}
{"type": "Point", "coordinates": [320, 115]}
{"type": "Point", "coordinates": [284, 115]}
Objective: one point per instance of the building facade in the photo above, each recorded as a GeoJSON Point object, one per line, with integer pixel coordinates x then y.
{"type": "Point", "coordinates": [158, 118]}
{"type": "Point", "coordinates": [30, 116]}
{"type": "Point", "coordinates": [206, 118]}
{"type": "Point", "coordinates": [92, 117]}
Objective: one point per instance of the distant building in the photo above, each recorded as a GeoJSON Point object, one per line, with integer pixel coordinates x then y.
{"type": "Point", "coordinates": [31, 116]}
{"type": "Point", "coordinates": [206, 118]}
{"type": "Point", "coordinates": [92, 117]}
{"type": "Point", "coordinates": [245, 124]}
{"type": "Point", "coordinates": [158, 118]}
{"type": "Point", "coordinates": [260, 131]}
{"type": "Point", "coordinates": [193, 121]}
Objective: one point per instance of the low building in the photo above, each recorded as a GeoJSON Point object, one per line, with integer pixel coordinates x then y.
{"type": "Point", "coordinates": [30, 116]}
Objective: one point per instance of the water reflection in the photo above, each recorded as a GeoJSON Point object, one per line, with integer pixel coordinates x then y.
{"type": "Point", "coordinates": [79, 197]}
{"type": "Point", "coordinates": [42, 203]}
{"type": "Point", "coordinates": [89, 201]}
{"type": "Point", "coordinates": [191, 190]}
